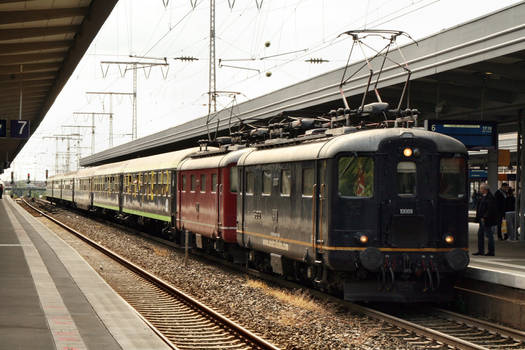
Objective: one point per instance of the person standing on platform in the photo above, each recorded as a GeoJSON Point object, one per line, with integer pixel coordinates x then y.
{"type": "Point", "coordinates": [510, 201]}
{"type": "Point", "coordinates": [1, 189]}
{"type": "Point", "coordinates": [487, 216]}
{"type": "Point", "coordinates": [510, 207]}
{"type": "Point", "coordinates": [501, 202]}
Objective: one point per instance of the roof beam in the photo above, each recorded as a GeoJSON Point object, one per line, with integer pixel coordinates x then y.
{"type": "Point", "coordinates": [7, 1]}
{"type": "Point", "coordinates": [477, 81]}
{"type": "Point", "coordinates": [15, 90]}
{"type": "Point", "coordinates": [43, 84]}
{"type": "Point", "coordinates": [26, 98]}
{"type": "Point", "coordinates": [25, 105]}
{"type": "Point", "coordinates": [36, 46]}
{"type": "Point", "coordinates": [450, 91]}
{"type": "Point", "coordinates": [492, 70]}
{"type": "Point", "coordinates": [8, 17]}
{"type": "Point", "coordinates": [31, 57]}
{"type": "Point", "coordinates": [26, 76]}
{"type": "Point", "coordinates": [31, 67]}
{"type": "Point", "coordinates": [35, 32]}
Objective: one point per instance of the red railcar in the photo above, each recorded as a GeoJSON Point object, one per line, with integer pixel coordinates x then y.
{"type": "Point", "coordinates": [207, 196]}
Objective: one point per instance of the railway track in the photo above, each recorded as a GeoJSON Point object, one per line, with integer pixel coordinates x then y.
{"type": "Point", "coordinates": [179, 319]}
{"type": "Point", "coordinates": [430, 328]}
{"type": "Point", "coordinates": [433, 328]}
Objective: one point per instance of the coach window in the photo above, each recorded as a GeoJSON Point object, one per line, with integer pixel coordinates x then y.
{"type": "Point", "coordinates": [214, 183]}
{"type": "Point", "coordinates": [157, 190]}
{"type": "Point", "coordinates": [286, 182]}
{"type": "Point", "coordinates": [355, 176]}
{"type": "Point", "coordinates": [234, 179]}
{"type": "Point", "coordinates": [203, 183]}
{"type": "Point", "coordinates": [452, 178]}
{"type": "Point", "coordinates": [161, 183]}
{"type": "Point", "coordinates": [406, 179]}
{"type": "Point", "coordinates": [267, 183]}
{"type": "Point", "coordinates": [308, 181]}
{"type": "Point", "coordinates": [250, 183]}
{"type": "Point", "coordinates": [183, 183]}
{"type": "Point", "coordinates": [168, 183]}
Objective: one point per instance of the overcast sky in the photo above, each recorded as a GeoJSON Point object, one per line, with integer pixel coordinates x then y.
{"type": "Point", "coordinates": [291, 31]}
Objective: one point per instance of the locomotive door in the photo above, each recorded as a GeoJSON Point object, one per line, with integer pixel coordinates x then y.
{"type": "Point", "coordinates": [314, 205]}
{"type": "Point", "coordinates": [407, 205]}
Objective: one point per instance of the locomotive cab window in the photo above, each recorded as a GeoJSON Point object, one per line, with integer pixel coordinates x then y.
{"type": "Point", "coordinates": [452, 178]}
{"type": "Point", "coordinates": [308, 181]}
{"type": "Point", "coordinates": [286, 182]}
{"type": "Point", "coordinates": [250, 183]}
{"type": "Point", "coordinates": [355, 176]}
{"type": "Point", "coordinates": [267, 183]}
{"type": "Point", "coordinates": [406, 179]}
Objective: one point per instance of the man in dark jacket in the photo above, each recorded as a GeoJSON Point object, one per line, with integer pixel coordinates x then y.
{"type": "Point", "coordinates": [487, 216]}
{"type": "Point", "coordinates": [501, 199]}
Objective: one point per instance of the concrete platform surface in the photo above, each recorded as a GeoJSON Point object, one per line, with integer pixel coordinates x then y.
{"type": "Point", "coordinates": [506, 268]}
{"type": "Point", "coordinates": [51, 298]}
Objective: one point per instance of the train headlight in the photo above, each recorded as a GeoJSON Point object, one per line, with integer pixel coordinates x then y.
{"type": "Point", "coordinates": [449, 239]}
{"type": "Point", "coordinates": [363, 239]}
{"type": "Point", "coordinates": [407, 152]}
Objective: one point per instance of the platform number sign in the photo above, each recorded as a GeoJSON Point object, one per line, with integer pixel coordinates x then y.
{"type": "Point", "coordinates": [20, 129]}
{"type": "Point", "coordinates": [3, 128]}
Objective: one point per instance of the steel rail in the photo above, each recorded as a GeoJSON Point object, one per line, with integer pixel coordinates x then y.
{"type": "Point", "coordinates": [250, 337]}
{"type": "Point", "coordinates": [489, 326]}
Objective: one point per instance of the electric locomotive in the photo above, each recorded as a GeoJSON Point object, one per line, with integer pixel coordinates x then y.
{"type": "Point", "coordinates": [380, 214]}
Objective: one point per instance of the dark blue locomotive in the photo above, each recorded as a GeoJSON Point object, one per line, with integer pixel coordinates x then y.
{"type": "Point", "coordinates": [379, 214]}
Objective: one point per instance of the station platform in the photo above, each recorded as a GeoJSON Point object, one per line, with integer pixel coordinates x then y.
{"type": "Point", "coordinates": [51, 298]}
{"type": "Point", "coordinates": [506, 268]}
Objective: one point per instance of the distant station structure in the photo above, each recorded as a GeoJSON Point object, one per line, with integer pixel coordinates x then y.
{"type": "Point", "coordinates": [41, 43]}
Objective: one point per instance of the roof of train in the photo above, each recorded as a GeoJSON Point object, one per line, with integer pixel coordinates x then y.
{"type": "Point", "coordinates": [220, 160]}
{"type": "Point", "coordinates": [361, 141]}
{"type": "Point", "coordinates": [170, 160]}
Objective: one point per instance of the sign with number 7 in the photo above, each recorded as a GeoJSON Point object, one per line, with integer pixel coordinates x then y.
{"type": "Point", "coordinates": [20, 129]}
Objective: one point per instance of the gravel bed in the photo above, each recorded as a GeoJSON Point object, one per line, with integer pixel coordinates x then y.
{"type": "Point", "coordinates": [287, 318]}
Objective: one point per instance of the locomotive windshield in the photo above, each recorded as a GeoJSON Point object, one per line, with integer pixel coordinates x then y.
{"type": "Point", "coordinates": [452, 178]}
{"type": "Point", "coordinates": [356, 176]}
{"type": "Point", "coordinates": [406, 178]}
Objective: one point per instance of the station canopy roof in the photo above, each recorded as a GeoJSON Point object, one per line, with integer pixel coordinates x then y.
{"type": "Point", "coordinates": [41, 43]}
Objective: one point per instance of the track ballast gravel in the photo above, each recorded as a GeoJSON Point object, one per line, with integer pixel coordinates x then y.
{"type": "Point", "coordinates": [289, 319]}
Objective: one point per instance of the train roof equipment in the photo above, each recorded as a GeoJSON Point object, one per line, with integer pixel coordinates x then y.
{"type": "Point", "coordinates": [284, 130]}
